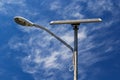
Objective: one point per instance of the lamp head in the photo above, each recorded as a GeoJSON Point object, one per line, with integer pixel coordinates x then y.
{"type": "Point", "coordinates": [22, 21]}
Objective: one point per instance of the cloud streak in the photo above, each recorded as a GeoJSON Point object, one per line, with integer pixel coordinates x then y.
{"type": "Point", "coordinates": [5, 5]}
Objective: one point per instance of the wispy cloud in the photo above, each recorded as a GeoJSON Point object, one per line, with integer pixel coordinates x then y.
{"type": "Point", "coordinates": [100, 6]}
{"type": "Point", "coordinates": [13, 8]}
{"type": "Point", "coordinates": [5, 5]}
{"type": "Point", "coordinates": [67, 11]}
{"type": "Point", "coordinates": [45, 52]}
{"type": "Point", "coordinates": [21, 2]}
{"type": "Point", "coordinates": [55, 5]}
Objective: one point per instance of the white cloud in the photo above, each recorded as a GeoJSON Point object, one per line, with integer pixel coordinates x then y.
{"type": "Point", "coordinates": [50, 61]}
{"type": "Point", "coordinates": [21, 2]}
{"type": "Point", "coordinates": [71, 10]}
{"type": "Point", "coordinates": [55, 5]}
{"type": "Point", "coordinates": [35, 53]}
{"type": "Point", "coordinates": [77, 15]}
{"type": "Point", "coordinates": [5, 5]}
{"type": "Point", "coordinates": [6, 2]}
{"type": "Point", "coordinates": [100, 6]}
{"type": "Point", "coordinates": [14, 7]}
{"type": "Point", "coordinates": [46, 53]}
{"type": "Point", "coordinates": [109, 49]}
{"type": "Point", "coordinates": [68, 37]}
{"type": "Point", "coordinates": [82, 34]}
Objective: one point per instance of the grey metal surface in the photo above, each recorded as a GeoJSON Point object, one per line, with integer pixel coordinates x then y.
{"type": "Point", "coordinates": [76, 21]}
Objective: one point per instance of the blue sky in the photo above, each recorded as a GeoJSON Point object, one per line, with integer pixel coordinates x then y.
{"type": "Point", "coordinates": [32, 54]}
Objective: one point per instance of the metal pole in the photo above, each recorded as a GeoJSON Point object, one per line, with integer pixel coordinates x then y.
{"type": "Point", "coordinates": [75, 54]}
{"type": "Point", "coordinates": [75, 24]}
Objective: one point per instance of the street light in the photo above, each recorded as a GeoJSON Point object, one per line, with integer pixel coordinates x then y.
{"type": "Point", "coordinates": [24, 22]}
{"type": "Point", "coordinates": [75, 23]}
